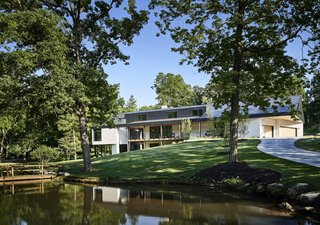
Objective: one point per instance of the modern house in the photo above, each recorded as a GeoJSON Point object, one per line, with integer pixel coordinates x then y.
{"type": "Point", "coordinates": [145, 129]}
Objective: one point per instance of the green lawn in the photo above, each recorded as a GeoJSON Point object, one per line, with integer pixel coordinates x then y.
{"type": "Point", "coordinates": [183, 160]}
{"type": "Point", "coordinates": [311, 144]}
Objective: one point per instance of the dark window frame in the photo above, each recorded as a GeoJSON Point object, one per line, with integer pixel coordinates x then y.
{"type": "Point", "coordinates": [155, 132]}
{"type": "Point", "coordinates": [142, 117]}
{"type": "Point", "coordinates": [167, 131]}
{"type": "Point", "coordinates": [197, 112]}
{"type": "Point", "coordinates": [97, 135]}
{"type": "Point", "coordinates": [173, 114]}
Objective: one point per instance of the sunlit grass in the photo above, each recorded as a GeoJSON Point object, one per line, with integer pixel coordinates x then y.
{"type": "Point", "coordinates": [182, 160]}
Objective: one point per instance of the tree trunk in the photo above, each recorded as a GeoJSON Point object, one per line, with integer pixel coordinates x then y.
{"type": "Point", "coordinates": [84, 140]}
{"type": "Point", "coordinates": [234, 125]}
{"type": "Point", "coordinates": [235, 97]}
{"type": "Point", "coordinates": [74, 144]}
{"type": "Point", "coordinates": [87, 199]}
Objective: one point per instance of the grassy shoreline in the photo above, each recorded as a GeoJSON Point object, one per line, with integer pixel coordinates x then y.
{"type": "Point", "coordinates": [181, 161]}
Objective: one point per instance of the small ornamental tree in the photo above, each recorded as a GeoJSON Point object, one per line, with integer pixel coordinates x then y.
{"type": "Point", "coordinates": [44, 154]}
{"type": "Point", "coordinates": [186, 128]}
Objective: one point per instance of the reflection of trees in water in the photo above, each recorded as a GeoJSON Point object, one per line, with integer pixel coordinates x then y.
{"type": "Point", "coordinates": [77, 207]}
{"type": "Point", "coordinates": [187, 212]}
{"type": "Point", "coordinates": [134, 220]}
{"type": "Point", "coordinates": [33, 209]}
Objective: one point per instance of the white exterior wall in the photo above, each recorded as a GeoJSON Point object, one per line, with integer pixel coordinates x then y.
{"type": "Point", "coordinates": [253, 128]}
{"type": "Point", "coordinates": [123, 135]}
{"type": "Point", "coordinates": [109, 136]}
{"type": "Point", "coordinates": [277, 123]}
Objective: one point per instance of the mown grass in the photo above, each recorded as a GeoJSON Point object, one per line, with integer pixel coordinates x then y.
{"type": "Point", "coordinates": [310, 144]}
{"type": "Point", "coordinates": [185, 159]}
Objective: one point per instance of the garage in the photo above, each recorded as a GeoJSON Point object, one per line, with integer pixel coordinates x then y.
{"type": "Point", "coordinates": [287, 132]}
{"type": "Point", "coordinates": [267, 131]}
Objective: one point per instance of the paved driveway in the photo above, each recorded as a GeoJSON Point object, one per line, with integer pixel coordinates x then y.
{"type": "Point", "coordinates": [284, 148]}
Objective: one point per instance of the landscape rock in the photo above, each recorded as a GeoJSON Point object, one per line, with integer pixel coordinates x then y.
{"type": "Point", "coordinates": [301, 188]}
{"type": "Point", "coordinates": [292, 193]}
{"type": "Point", "coordinates": [261, 189]}
{"type": "Point", "coordinates": [286, 206]}
{"type": "Point", "coordinates": [309, 198]}
{"type": "Point", "coordinates": [276, 190]}
{"type": "Point", "coordinates": [65, 174]}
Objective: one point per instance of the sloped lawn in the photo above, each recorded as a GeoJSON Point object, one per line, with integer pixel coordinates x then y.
{"type": "Point", "coordinates": [310, 144]}
{"type": "Point", "coordinates": [185, 159]}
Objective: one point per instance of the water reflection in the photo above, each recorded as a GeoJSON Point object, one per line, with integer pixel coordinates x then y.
{"type": "Point", "coordinates": [81, 205]}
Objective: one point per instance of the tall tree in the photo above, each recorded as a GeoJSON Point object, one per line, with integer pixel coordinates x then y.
{"type": "Point", "coordinates": [95, 30]}
{"type": "Point", "coordinates": [241, 44]}
{"type": "Point", "coordinates": [131, 105]}
{"type": "Point", "coordinates": [172, 91]}
{"type": "Point", "coordinates": [33, 76]}
{"type": "Point", "coordinates": [313, 105]}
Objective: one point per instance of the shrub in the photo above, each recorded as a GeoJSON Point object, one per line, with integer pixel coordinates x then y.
{"type": "Point", "coordinates": [44, 154]}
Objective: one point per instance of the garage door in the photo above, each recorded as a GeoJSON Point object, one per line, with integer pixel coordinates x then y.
{"type": "Point", "coordinates": [288, 132]}
{"type": "Point", "coordinates": [267, 131]}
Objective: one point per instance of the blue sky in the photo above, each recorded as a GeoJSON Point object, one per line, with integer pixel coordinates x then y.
{"type": "Point", "coordinates": [150, 55]}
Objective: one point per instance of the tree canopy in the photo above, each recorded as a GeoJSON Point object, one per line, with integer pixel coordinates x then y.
{"type": "Point", "coordinates": [172, 91]}
{"type": "Point", "coordinates": [93, 31]}
{"type": "Point", "coordinates": [241, 44]}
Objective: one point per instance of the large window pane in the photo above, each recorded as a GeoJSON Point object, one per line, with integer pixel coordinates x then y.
{"type": "Point", "coordinates": [154, 132]}
{"type": "Point", "coordinates": [167, 131]}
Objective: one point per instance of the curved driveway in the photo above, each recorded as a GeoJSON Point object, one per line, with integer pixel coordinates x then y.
{"type": "Point", "coordinates": [284, 148]}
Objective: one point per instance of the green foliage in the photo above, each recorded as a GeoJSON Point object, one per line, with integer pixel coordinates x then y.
{"type": "Point", "coordinates": [45, 153]}
{"type": "Point", "coordinates": [234, 183]}
{"type": "Point", "coordinates": [131, 105]}
{"type": "Point", "coordinates": [241, 45]}
{"type": "Point", "coordinates": [70, 145]}
{"type": "Point", "coordinates": [172, 91]}
{"type": "Point", "coordinates": [59, 63]}
{"type": "Point", "coordinates": [149, 107]}
{"type": "Point", "coordinates": [310, 144]}
{"type": "Point", "coordinates": [313, 104]}
{"type": "Point", "coordinates": [186, 128]}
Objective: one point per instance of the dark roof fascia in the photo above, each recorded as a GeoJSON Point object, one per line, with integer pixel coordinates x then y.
{"type": "Point", "coordinates": [269, 114]}
{"type": "Point", "coordinates": [163, 122]}
{"type": "Point", "coordinates": [100, 127]}
{"type": "Point", "coordinates": [167, 109]}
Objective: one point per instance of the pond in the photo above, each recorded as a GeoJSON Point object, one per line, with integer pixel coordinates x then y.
{"type": "Point", "coordinates": [71, 204]}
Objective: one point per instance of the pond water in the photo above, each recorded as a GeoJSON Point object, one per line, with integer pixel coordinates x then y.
{"type": "Point", "coordinates": [70, 204]}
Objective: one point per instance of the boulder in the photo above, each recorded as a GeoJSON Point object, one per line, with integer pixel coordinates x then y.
{"type": "Point", "coordinates": [286, 206]}
{"type": "Point", "coordinates": [292, 193]}
{"type": "Point", "coordinates": [309, 198]}
{"type": "Point", "coordinates": [261, 189]}
{"type": "Point", "coordinates": [276, 190]}
{"type": "Point", "coordinates": [301, 188]}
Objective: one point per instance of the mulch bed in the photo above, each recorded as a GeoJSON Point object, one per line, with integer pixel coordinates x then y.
{"type": "Point", "coordinates": [238, 170]}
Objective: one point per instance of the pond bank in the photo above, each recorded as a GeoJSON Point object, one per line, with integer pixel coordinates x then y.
{"type": "Point", "coordinates": [237, 177]}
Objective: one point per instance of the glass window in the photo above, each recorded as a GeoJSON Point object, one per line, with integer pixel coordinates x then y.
{"type": "Point", "coordinates": [142, 117]}
{"type": "Point", "coordinates": [97, 134]}
{"type": "Point", "coordinates": [154, 132]}
{"type": "Point", "coordinates": [172, 114]}
{"type": "Point", "coordinates": [167, 131]}
{"type": "Point", "coordinates": [197, 112]}
{"type": "Point", "coordinates": [136, 133]}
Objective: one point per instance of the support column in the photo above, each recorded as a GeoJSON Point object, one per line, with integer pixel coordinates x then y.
{"type": "Point", "coordinates": [199, 124]}
{"type": "Point", "coordinates": [128, 138]}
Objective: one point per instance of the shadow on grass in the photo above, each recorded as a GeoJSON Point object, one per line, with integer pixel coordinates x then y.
{"type": "Point", "coordinates": [185, 159]}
